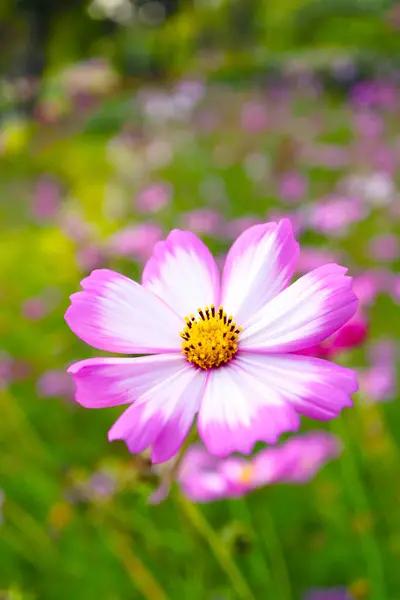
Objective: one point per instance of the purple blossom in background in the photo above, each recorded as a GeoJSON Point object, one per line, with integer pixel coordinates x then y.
{"type": "Point", "coordinates": [314, 257]}
{"type": "Point", "coordinates": [292, 187]}
{"type": "Point", "coordinates": [153, 198]}
{"type": "Point", "coordinates": [384, 159]}
{"type": "Point", "coordinates": [236, 227]}
{"type": "Point", "coordinates": [55, 383]}
{"type": "Point", "coordinates": [395, 289]}
{"type": "Point", "coordinates": [89, 256]}
{"type": "Point", "coordinates": [333, 215]}
{"type": "Point", "coordinates": [135, 241]}
{"type": "Point", "coordinates": [46, 200]}
{"type": "Point", "coordinates": [374, 94]}
{"type": "Point", "coordinates": [12, 369]}
{"type": "Point", "coordinates": [5, 369]}
{"type": "Point", "coordinates": [368, 125]}
{"type": "Point", "coordinates": [34, 309]}
{"type": "Point", "coordinates": [203, 221]}
{"type": "Point", "coordinates": [378, 382]}
{"type": "Point", "coordinates": [333, 157]}
{"type": "Point", "coordinates": [75, 227]}
{"type": "Point", "coordinates": [254, 117]}
{"type": "Point", "coordinates": [367, 286]}
{"type": "Point", "coordinates": [384, 247]}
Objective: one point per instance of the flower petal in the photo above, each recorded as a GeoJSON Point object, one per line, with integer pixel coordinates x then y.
{"type": "Point", "coordinates": [259, 265]}
{"type": "Point", "coordinates": [238, 410]}
{"type": "Point", "coordinates": [116, 314]}
{"type": "Point", "coordinates": [314, 387]}
{"type": "Point", "coordinates": [306, 454]}
{"type": "Point", "coordinates": [205, 487]}
{"type": "Point", "coordinates": [183, 272]}
{"type": "Point", "coordinates": [163, 415]}
{"type": "Point", "coordinates": [102, 382]}
{"type": "Point", "coordinates": [304, 314]}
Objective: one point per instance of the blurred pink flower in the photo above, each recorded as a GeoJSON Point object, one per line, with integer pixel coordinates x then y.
{"type": "Point", "coordinates": [333, 157]}
{"type": "Point", "coordinates": [5, 369]}
{"type": "Point", "coordinates": [204, 478]}
{"type": "Point", "coordinates": [384, 247]}
{"type": "Point", "coordinates": [12, 369]}
{"type": "Point", "coordinates": [314, 257]}
{"type": "Point", "coordinates": [75, 227]}
{"type": "Point", "coordinates": [378, 382]}
{"type": "Point", "coordinates": [135, 241]}
{"type": "Point", "coordinates": [395, 289]}
{"type": "Point", "coordinates": [55, 383]}
{"type": "Point", "coordinates": [236, 227]}
{"type": "Point", "coordinates": [153, 198]}
{"type": "Point", "coordinates": [374, 94]}
{"type": "Point", "coordinates": [292, 187]}
{"type": "Point", "coordinates": [188, 93]}
{"type": "Point", "coordinates": [89, 256]}
{"type": "Point", "coordinates": [367, 286]}
{"type": "Point", "coordinates": [245, 381]}
{"type": "Point", "coordinates": [384, 159]}
{"type": "Point", "coordinates": [34, 309]}
{"type": "Point", "coordinates": [254, 117]}
{"type": "Point", "coordinates": [203, 221]}
{"type": "Point", "coordinates": [334, 214]}
{"type": "Point", "coordinates": [368, 125]}
{"type": "Point", "coordinates": [46, 200]}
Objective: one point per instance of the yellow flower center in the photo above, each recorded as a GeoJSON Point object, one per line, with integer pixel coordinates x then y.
{"type": "Point", "coordinates": [211, 339]}
{"type": "Point", "coordinates": [247, 474]}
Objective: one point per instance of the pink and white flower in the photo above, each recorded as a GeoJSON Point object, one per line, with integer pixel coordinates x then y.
{"type": "Point", "coordinates": [235, 364]}
{"type": "Point", "coordinates": [206, 478]}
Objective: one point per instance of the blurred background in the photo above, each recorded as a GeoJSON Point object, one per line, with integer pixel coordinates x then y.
{"type": "Point", "coordinates": [121, 119]}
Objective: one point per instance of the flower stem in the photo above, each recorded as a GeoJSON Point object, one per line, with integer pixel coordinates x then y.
{"type": "Point", "coordinates": [121, 546]}
{"type": "Point", "coordinates": [358, 496]}
{"type": "Point", "coordinates": [219, 549]}
{"type": "Point", "coordinates": [273, 547]}
{"type": "Point", "coordinates": [135, 568]}
{"type": "Point", "coordinates": [260, 569]}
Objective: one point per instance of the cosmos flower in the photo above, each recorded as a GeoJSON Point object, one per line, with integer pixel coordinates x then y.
{"type": "Point", "coordinates": [378, 382]}
{"type": "Point", "coordinates": [292, 187]}
{"type": "Point", "coordinates": [135, 241]}
{"type": "Point", "coordinates": [224, 350]}
{"type": "Point", "coordinates": [204, 478]}
{"type": "Point", "coordinates": [153, 198]}
{"type": "Point", "coordinates": [55, 383]}
{"type": "Point", "coordinates": [333, 215]}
